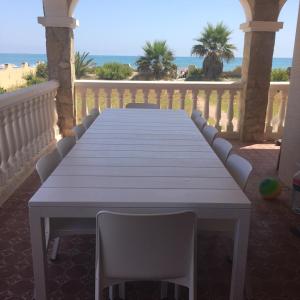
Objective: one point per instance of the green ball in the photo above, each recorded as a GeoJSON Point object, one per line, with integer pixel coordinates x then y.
{"type": "Point", "coordinates": [270, 188]}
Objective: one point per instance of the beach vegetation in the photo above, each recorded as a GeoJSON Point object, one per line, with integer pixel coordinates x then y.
{"type": "Point", "coordinates": [42, 71]}
{"type": "Point", "coordinates": [157, 61]}
{"type": "Point", "coordinates": [280, 74]}
{"type": "Point", "coordinates": [114, 71]}
{"type": "Point", "coordinates": [194, 74]}
{"type": "Point", "coordinates": [83, 64]}
{"type": "Point", "coordinates": [235, 73]}
{"type": "Point", "coordinates": [2, 90]}
{"type": "Point", "coordinates": [213, 44]}
{"type": "Point", "coordinates": [32, 79]}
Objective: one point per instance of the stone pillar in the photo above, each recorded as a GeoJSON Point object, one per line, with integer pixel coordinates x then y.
{"type": "Point", "coordinates": [257, 66]}
{"type": "Point", "coordinates": [61, 67]}
{"type": "Point", "coordinates": [290, 149]}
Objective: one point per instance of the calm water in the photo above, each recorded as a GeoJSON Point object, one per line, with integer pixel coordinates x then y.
{"type": "Point", "coordinates": [181, 62]}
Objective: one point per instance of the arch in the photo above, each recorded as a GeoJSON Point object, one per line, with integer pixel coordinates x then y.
{"type": "Point", "coordinates": [247, 9]}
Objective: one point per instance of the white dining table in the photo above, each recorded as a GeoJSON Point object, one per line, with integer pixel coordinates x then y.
{"type": "Point", "coordinates": [141, 161]}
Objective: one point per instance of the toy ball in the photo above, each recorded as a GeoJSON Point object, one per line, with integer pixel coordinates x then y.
{"type": "Point", "coordinates": [270, 188]}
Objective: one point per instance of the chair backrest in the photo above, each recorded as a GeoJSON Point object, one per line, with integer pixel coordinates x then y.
{"type": "Point", "coordinates": [142, 105]}
{"type": "Point", "coordinates": [144, 247]}
{"type": "Point", "coordinates": [222, 148]}
{"type": "Point", "coordinates": [200, 122]}
{"type": "Point", "coordinates": [195, 114]}
{"type": "Point", "coordinates": [88, 121]}
{"type": "Point", "coordinates": [65, 145]}
{"type": "Point", "coordinates": [47, 164]}
{"type": "Point", "coordinates": [240, 168]}
{"type": "Point", "coordinates": [95, 112]}
{"type": "Point", "coordinates": [78, 130]}
{"type": "Point", "coordinates": [210, 133]}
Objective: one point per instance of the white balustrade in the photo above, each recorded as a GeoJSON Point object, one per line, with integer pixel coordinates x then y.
{"type": "Point", "coordinates": [27, 120]}
{"type": "Point", "coordinates": [278, 97]}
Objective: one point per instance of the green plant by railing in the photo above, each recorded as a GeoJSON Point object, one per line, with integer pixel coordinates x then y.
{"type": "Point", "coordinates": [2, 90]}
{"type": "Point", "coordinates": [114, 71]}
{"type": "Point", "coordinates": [280, 75]}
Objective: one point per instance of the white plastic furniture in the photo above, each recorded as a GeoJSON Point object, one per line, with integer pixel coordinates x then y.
{"type": "Point", "coordinates": [210, 133]}
{"type": "Point", "coordinates": [65, 145]}
{"type": "Point", "coordinates": [88, 121]}
{"type": "Point", "coordinates": [195, 114]}
{"type": "Point", "coordinates": [240, 168]}
{"type": "Point", "coordinates": [222, 148]}
{"type": "Point", "coordinates": [137, 247]}
{"type": "Point", "coordinates": [142, 105]}
{"type": "Point", "coordinates": [200, 122]}
{"type": "Point", "coordinates": [79, 130]}
{"type": "Point", "coordinates": [141, 161]}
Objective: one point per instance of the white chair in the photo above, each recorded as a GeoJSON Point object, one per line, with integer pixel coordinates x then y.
{"type": "Point", "coordinates": [146, 247]}
{"type": "Point", "coordinates": [58, 227]}
{"type": "Point", "coordinates": [210, 133]}
{"type": "Point", "coordinates": [88, 121]}
{"type": "Point", "coordinates": [142, 105]}
{"type": "Point", "coordinates": [222, 148]}
{"type": "Point", "coordinates": [239, 168]}
{"type": "Point", "coordinates": [78, 130]}
{"type": "Point", "coordinates": [195, 114]}
{"type": "Point", "coordinates": [200, 122]}
{"type": "Point", "coordinates": [95, 112]}
{"type": "Point", "coordinates": [65, 145]}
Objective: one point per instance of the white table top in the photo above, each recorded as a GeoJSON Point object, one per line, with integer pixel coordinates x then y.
{"type": "Point", "coordinates": [141, 158]}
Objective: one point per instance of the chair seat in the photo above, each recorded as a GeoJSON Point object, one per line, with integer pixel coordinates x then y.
{"type": "Point", "coordinates": [72, 226]}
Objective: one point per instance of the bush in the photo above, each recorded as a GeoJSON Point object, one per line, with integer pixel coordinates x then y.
{"type": "Point", "coordinates": [280, 75]}
{"type": "Point", "coordinates": [32, 79]}
{"type": "Point", "coordinates": [42, 71]}
{"type": "Point", "coordinates": [194, 74]}
{"type": "Point", "coordinates": [114, 71]}
{"type": "Point", "coordinates": [2, 90]}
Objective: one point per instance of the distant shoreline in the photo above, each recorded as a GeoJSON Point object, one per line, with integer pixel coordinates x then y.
{"type": "Point", "coordinates": [182, 62]}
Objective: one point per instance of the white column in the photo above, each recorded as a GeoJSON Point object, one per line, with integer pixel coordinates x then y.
{"type": "Point", "coordinates": [290, 154]}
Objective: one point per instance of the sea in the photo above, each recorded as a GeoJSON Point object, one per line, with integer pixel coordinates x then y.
{"type": "Point", "coordinates": [180, 61]}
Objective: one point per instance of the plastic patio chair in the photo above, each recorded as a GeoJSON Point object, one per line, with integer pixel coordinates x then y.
{"type": "Point", "coordinates": [78, 130]}
{"type": "Point", "coordinates": [145, 247]}
{"type": "Point", "coordinates": [240, 168]}
{"type": "Point", "coordinates": [210, 133]}
{"type": "Point", "coordinates": [200, 122]}
{"type": "Point", "coordinates": [195, 114]}
{"type": "Point", "coordinates": [222, 148]}
{"type": "Point", "coordinates": [65, 145]}
{"type": "Point", "coordinates": [58, 227]}
{"type": "Point", "coordinates": [88, 121]}
{"type": "Point", "coordinates": [142, 105]}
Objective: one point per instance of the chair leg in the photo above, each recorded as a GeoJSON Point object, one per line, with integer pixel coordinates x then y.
{"type": "Point", "coordinates": [176, 292]}
{"type": "Point", "coordinates": [111, 292]}
{"type": "Point", "coordinates": [163, 290]}
{"type": "Point", "coordinates": [55, 249]}
{"type": "Point", "coordinates": [122, 291]}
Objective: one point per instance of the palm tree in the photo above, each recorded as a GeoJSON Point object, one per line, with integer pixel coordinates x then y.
{"type": "Point", "coordinates": [214, 46]}
{"type": "Point", "coordinates": [82, 64]}
{"type": "Point", "coordinates": [157, 60]}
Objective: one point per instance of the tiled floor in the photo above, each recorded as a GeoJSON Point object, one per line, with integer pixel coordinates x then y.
{"type": "Point", "coordinates": [273, 262]}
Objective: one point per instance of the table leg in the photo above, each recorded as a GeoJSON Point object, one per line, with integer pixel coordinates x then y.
{"type": "Point", "coordinates": [240, 257]}
{"type": "Point", "coordinates": [37, 234]}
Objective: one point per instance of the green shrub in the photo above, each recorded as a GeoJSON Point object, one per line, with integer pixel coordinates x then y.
{"type": "Point", "coordinates": [235, 73]}
{"type": "Point", "coordinates": [42, 71]}
{"type": "Point", "coordinates": [2, 90]}
{"type": "Point", "coordinates": [280, 75]}
{"type": "Point", "coordinates": [32, 79]}
{"type": "Point", "coordinates": [194, 74]}
{"type": "Point", "coordinates": [114, 71]}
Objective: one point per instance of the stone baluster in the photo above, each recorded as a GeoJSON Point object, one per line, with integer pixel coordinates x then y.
{"type": "Point", "coordinates": [4, 149]}
{"type": "Point", "coordinates": [219, 109]}
{"type": "Point", "coordinates": [15, 112]}
{"type": "Point", "coordinates": [34, 127]}
{"type": "Point", "coordinates": [195, 99]}
{"type": "Point", "coordinates": [170, 93]}
{"type": "Point", "coordinates": [83, 92]}
{"type": "Point", "coordinates": [96, 98]}
{"type": "Point", "coordinates": [23, 132]}
{"type": "Point", "coordinates": [121, 97]}
{"type": "Point", "coordinates": [282, 111]}
{"type": "Point", "coordinates": [230, 112]}
{"type": "Point", "coordinates": [2, 174]}
{"type": "Point", "coordinates": [146, 95]}
{"type": "Point", "coordinates": [30, 147]}
{"type": "Point", "coordinates": [39, 121]}
{"type": "Point", "coordinates": [108, 98]}
{"type": "Point", "coordinates": [206, 103]}
{"type": "Point", "coordinates": [13, 161]}
{"type": "Point", "coordinates": [43, 117]}
{"type": "Point", "coordinates": [182, 98]}
{"type": "Point", "coordinates": [54, 113]}
{"type": "Point", "coordinates": [269, 127]}
{"type": "Point", "coordinates": [50, 131]}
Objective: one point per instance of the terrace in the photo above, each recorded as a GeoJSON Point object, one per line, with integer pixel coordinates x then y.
{"type": "Point", "coordinates": [251, 113]}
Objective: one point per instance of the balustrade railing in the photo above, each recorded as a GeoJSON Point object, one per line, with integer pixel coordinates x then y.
{"type": "Point", "coordinates": [219, 101]}
{"type": "Point", "coordinates": [27, 129]}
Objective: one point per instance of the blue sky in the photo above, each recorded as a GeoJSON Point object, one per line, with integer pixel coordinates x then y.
{"type": "Point", "coordinates": [121, 27]}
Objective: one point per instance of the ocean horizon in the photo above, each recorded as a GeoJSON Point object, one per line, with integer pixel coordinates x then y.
{"type": "Point", "coordinates": [182, 62]}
